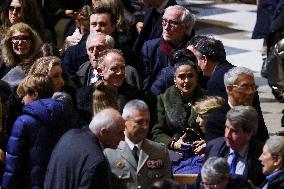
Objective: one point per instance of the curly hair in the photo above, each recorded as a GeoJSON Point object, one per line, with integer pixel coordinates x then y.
{"type": "Point", "coordinates": [43, 65]}
{"type": "Point", "coordinates": [10, 58]}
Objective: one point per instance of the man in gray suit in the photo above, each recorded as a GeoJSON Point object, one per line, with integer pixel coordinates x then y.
{"type": "Point", "coordinates": [138, 162]}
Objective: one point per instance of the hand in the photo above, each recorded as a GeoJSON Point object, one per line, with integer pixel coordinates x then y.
{"type": "Point", "coordinates": [139, 26]}
{"type": "Point", "coordinates": [199, 147]}
{"type": "Point", "coordinates": [2, 156]}
{"type": "Point", "coordinates": [177, 144]}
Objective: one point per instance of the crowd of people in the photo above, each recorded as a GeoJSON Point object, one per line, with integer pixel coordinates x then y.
{"type": "Point", "coordinates": [131, 86]}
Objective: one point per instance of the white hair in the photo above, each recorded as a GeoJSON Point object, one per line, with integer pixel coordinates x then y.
{"type": "Point", "coordinates": [94, 35]}
{"type": "Point", "coordinates": [133, 105]}
{"type": "Point", "coordinates": [187, 17]}
{"type": "Point", "coordinates": [215, 168]}
{"type": "Point", "coordinates": [232, 75]}
{"type": "Point", "coordinates": [104, 119]}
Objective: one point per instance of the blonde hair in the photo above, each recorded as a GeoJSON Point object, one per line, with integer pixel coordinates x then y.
{"type": "Point", "coordinates": [104, 96]}
{"type": "Point", "coordinates": [39, 84]}
{"type": "Point", "coordinates": [43, 65]}
{"type": "Point", "coordinates": [207, 104]}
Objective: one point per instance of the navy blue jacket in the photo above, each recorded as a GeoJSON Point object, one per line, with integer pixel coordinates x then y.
{"type": "Point", "coordinates": [32, 140]}
{"type": "Point", "coordinates": [152, 26]}
{"type": "Point", "coordinates": [218, 148]}
{"type": "Point", "coordinates": [77, 161]}
{"type": "Point", "coordinates": [215, 84]}
{"type": "Point", "coordinates": [75, 56]}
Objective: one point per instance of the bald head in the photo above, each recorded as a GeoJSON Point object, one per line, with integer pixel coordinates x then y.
{"type": "Point", "coordinates": [108, 126]}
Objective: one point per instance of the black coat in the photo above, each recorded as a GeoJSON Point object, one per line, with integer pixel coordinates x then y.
{"type": "Point", "coordinates": [278, 182]}
{"type": "Point", "coordinates": [215, 125]}
{"type": "Point", "coordinates": [78, 162]}
{"type": "Point", "coordinates": [215, 84]}
{"type": "Point", "coordinates": [218, 148]}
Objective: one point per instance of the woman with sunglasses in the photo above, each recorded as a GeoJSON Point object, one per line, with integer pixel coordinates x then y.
{"type": "Point", "coordinates": [27, 11]}
{"type": "Point", "coordinates": [20, 45]}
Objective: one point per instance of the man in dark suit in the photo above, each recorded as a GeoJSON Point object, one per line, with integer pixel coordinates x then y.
{"type": "Point", "coordinates": [238, 145]}
{"type": "Point", "coordinates": [241, 88]}
{"type": "Point", "coordinates": [102, 20]}
{"type": "Point", "coordinates": [211, 57]}
{"type": "Point", "coordinates": [177, 25]}
{"type": "Point", "coordinates": [111, 67]}
{"type": "Point", "coordinates": [152, 24]}
{"type": "Point", "coordinates": [78, 161]}
{"type": "Point", "coordinates": [138, 162]}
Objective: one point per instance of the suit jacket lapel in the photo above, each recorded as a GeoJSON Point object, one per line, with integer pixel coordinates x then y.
{"type": "Point", "coordinates": [144, 154]}
{"type": "Point", "coordinates": [126, 153]}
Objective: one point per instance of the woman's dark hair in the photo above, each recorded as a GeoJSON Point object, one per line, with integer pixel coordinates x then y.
{"type": "Point", "coordinates": [183, 57]}
{"type": "Point", "coordinates": [31, 15]}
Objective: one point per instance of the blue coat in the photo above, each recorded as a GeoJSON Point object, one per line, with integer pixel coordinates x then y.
{"type": "Point", "coordinates": [32, 140]}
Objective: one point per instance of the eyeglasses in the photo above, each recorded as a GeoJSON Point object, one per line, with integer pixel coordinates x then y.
{"type": "Point", "coordinates": [172, 23]}
{"type": "Point", "coordinates": [22, 38]}
{"type": "Point", "coordinates": [246, 87]}
{"type": "Point", "coordinates": [17, 9]}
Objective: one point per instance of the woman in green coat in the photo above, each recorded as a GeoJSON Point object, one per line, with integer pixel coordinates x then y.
{"type": "Point", "coordinates": [175, 113]}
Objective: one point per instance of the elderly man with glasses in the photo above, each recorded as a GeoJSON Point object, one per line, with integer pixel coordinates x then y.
{"type": "Point", "coordinates": [177, 24]}
{"type": "Point", "coordinates": [240, 87]}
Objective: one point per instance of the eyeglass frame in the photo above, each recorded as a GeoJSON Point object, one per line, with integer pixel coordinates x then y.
{"type": "Point", "coordinates": [16, 39]}
{"type": "Point", "coordinates": [172, 23]}
{"type": "Point", "coordinates": [246, 87]}
{"type": "Point", "coordinates": [13, 8]}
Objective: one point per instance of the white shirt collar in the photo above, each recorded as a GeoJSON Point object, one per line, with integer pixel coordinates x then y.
{"type": "Point", "coordinates": [131, 144]}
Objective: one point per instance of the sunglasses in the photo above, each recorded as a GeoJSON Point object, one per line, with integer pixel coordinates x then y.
{"type": "Point", "coordinates": [17, 9]}
{"type": "Point", "coordinates": [23, 38]}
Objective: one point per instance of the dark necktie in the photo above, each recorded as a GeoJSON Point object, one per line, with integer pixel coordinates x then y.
{"type": "Point", "coordinates": [135, 153]}
{"type": "Point", "coordinates": [233, 164]}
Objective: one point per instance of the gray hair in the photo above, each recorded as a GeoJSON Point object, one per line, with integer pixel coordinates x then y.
{"type": "Point", "coordinates": [93, 36]}
{"type": "Point", "coordinates": [134, 105]}
{"type": "Point", "coordinates": [275, 146]}
{"type": "Point", "coordinates": [215, 168]}
{"type": "Point", "coordinates": [103, 119]}
{"type": "Point", "coordinates": [231, 76]}
{"type": "Point", "coordinates": [187, 17]}
{"type": "Point", "coordinates": [101, 60]}
{"type": "Point", "coordinates": [244, 117]}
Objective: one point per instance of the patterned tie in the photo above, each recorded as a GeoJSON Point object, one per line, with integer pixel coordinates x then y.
{"type": "Point", "coordinates": [233, 164]}
{"type": "Point", "coordinates": [135, 153]}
